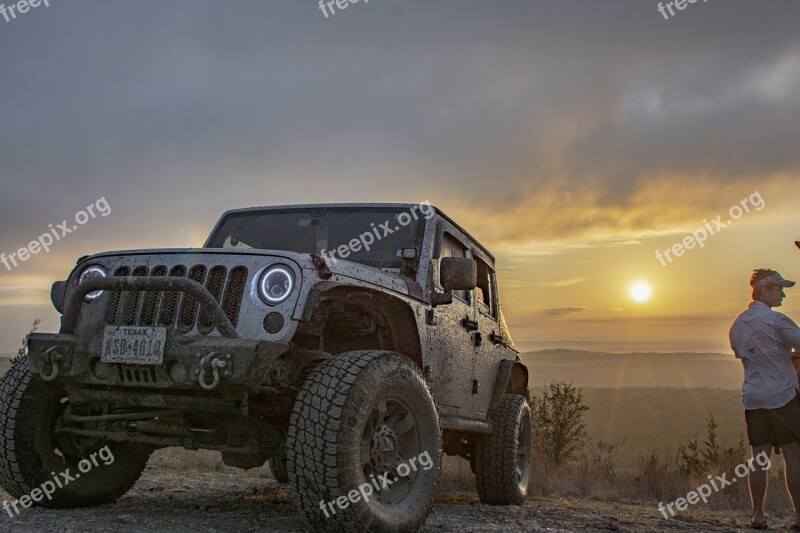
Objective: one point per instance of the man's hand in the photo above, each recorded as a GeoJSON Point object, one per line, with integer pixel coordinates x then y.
{"type": "Point", "coordinates": [796, 362]}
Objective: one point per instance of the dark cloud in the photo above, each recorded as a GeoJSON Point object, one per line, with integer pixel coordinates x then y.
{"type": "Point", "coordinates": [170, 106]}
{"type": "Point", "coordinates": [524, 119]}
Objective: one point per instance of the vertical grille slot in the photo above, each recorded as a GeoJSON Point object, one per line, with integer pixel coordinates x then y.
{"type": "Point", "coordinates": [151, 300]}
{"type": "Point", "coordinates": [116, 297]}
{"type": "Point", "coordinates": [215, 285]}
{"type": "Point", "coordinates": [169, 305]}
{"type": "Point", "coordinates": [189, 307]}
{"type": "Point", "coordinates": [132, 299]}
{"type": "Point", "coordinates": [234, 291]}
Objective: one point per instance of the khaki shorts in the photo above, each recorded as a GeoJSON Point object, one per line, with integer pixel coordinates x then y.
{"type": "Point", "coordinates": [774, 426]}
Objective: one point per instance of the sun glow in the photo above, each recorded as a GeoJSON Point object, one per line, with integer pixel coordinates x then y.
{"type": "Point", "coordinates": [640, 291]}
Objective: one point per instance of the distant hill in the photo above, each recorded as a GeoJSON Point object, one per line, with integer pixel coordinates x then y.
{"type": "Point", "coordinates": [658, 419]}
{"type": "Point", "coordinates": [648, 401]}
{"type": "Point", "coordinates": [599, 369]}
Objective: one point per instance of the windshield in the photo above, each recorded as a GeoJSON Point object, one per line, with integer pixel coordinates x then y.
{"type": "Point", "coordinates": [371, 236]}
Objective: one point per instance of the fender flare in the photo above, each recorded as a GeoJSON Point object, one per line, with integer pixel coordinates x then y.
{"type": "Point", "coordinates": [512, 378]}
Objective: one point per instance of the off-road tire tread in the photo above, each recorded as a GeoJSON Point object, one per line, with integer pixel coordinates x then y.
{"type": "Point", "coordinates": [315, 422]}
{"type": "Point", "coordinates": [13, 399]}
{"type": "Point", "coordinates": [495, 454]}
{"type": "Point", "coordinates": [21, 394]}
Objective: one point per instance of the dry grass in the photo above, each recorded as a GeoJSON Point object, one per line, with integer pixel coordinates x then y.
{"type": "Point", "coordinates": [458, 481]}
{"type": "Point", "coordinates": [180, 459]}
{"type": "Point", "coordinates": [200, 460]}
{"type": "Point", "coordinates": [656, 479]}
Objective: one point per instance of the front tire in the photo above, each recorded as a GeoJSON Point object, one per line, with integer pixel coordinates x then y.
{"type": "Point", "coordinates": [361, 419]}
{"type": "Point", "coordinates": [504, 458]}
{"type": "Point", "coordinates": [32, 454]}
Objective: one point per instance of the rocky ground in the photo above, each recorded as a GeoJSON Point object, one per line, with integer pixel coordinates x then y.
{"type": "Point", "coordinates": [223, 499]}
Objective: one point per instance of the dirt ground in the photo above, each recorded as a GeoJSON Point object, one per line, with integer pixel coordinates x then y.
{"type": "Point", "coordinates": [225, 499]}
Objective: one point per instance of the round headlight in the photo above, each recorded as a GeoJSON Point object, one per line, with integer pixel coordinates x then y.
{"type": "Point", "coordinates": [94, 271]}
{"type": "Point", "coordinates": [276, 284]}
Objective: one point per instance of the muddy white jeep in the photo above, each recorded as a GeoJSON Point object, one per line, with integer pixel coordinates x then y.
{"type": "Point", "coordinates": [348, 345]}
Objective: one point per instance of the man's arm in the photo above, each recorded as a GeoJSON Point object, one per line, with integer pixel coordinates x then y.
{"type": "Point", "coordinates": [732, 340]}
{"type": "Point", "coordinates": [788, 331]}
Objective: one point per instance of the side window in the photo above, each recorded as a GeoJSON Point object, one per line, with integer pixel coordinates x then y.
{"type": "Point", "coordinates": [485, 291]}
{"type": "Point", "coordinates": [452, 247]}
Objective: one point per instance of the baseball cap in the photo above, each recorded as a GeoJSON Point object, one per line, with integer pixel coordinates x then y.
{"type": "Point", "coordinates": [773, 279]}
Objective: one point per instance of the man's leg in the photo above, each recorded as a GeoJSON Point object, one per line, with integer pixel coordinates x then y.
{"type": "Point", "coordinates": [791, 460]}
{"type": "Point", "coordinates": [758, 483]}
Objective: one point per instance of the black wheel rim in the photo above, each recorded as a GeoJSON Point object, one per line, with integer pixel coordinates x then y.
{"type": "Point", "coordinates": [391, 437]}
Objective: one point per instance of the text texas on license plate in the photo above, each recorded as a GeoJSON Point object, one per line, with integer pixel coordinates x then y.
{"type": "Point", "coordinates": [134, 345]}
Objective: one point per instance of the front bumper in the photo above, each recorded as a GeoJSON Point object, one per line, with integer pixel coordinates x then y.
{"type": "Point", "coordinates": [224, 363]}
{"type": "Point", "coordinates": [190, 363]}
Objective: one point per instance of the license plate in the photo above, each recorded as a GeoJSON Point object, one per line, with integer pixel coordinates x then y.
{"type": "Point", "coordinates": [134, 345]}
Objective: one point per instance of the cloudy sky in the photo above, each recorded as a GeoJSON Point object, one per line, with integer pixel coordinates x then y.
{"type": "Point", "coordinates": [573, 137]}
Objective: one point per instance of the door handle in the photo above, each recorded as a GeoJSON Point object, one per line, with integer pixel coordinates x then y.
{"type": "Point", "coordinates": [477, 339]}
{"type": "Point", "coordinates": [469, 325]}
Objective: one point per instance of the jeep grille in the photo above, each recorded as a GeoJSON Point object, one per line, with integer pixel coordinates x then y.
{"type": "Point", "coordinates": [174, 309]}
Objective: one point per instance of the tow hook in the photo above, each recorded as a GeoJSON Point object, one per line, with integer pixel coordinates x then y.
{"type": "Point", "coordinates": [209, 372]}
{"type": "Point", "coordinates": [51, 358]}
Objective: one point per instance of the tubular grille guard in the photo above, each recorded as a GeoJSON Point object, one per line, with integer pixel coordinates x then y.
{"type": "Point", "coordinates": [175, 309]}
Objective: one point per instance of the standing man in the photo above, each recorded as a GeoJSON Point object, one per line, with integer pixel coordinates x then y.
{"type": "Point", "coordinates": [762, 339]}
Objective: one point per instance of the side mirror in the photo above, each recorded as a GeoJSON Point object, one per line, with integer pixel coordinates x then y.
{"type": "Point", "coordinates": [458, 274]}
{"type": "Point", "coordinates": [455, 274]}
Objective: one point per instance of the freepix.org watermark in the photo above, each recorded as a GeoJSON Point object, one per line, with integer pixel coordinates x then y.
{"type": "Point", "coordinates": [10, 12]}
{"type": "Point", "coordinates": [680, 5]}
{"type": "Point", "coordinates": [46, 240]}
{"type": "Point", "coordinates": [378, 232]}
{"type": "Point", "coordinates": [700, 235]}
{"type": "Point", "coordinates": [365, 491]}
{"type": "Point", "coordinates": [715, 485]}
{"type": "Point", "coordinates": [59, 481]}
{"type": "Point", "coordinates": [328, 7]}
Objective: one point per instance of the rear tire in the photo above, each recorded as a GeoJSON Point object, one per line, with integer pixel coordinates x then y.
{"type": "Point", "coordinates": [504, 458]}
{"type": "Point", "coordinates": [32, 454]}
{"type": "Point", "coordinates": [360, 416]}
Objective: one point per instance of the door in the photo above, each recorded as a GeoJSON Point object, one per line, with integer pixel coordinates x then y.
{"type": "Point", "coordinates": [451, 351]}
{"type": "Point", "coordinates": [487, 343]}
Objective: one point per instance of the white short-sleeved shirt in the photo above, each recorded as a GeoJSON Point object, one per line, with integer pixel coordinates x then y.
{"type": "Point", "coordinates": [763, 339]}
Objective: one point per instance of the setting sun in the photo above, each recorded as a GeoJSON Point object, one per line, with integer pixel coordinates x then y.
{"type": "Point", "coordinates": [640, 291]}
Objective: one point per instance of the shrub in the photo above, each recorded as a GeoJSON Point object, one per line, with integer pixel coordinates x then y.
{"type": "Point", "coordinates": [694, 461]}
{"type": "Point", "coordinates": [559, 429]}
{"type": "Point", "coordinates": [23, 350]}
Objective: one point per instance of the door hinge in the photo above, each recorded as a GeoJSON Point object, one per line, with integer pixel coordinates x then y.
{"type": "Point", "coordinates": [430, 318]}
